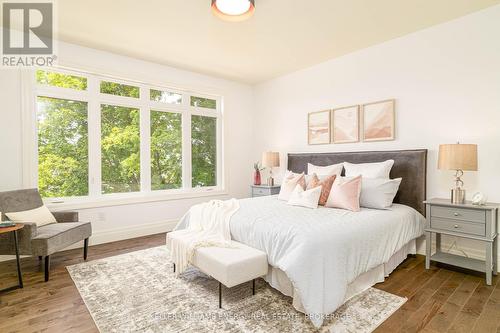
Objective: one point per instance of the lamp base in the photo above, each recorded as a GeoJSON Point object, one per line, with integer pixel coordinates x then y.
{"type": "Point", "coordinates": [270, 181]}
{"type": "Point", "coordinates": [457, 195]}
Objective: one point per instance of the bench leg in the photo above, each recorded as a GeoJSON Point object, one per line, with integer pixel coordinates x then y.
{"type": "Point", "coordinates": [220, 295]}
{"type": "Point", "coordinates": [85, 248]}
{"type": "Point", "coordinates": [253, 287]}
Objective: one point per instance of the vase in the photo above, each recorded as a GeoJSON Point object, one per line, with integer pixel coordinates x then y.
{"type": "Point", "coordinates": [256, 177]}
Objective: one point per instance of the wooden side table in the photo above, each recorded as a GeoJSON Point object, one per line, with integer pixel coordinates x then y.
{"type": "Point", "coordinates": [14, 230]}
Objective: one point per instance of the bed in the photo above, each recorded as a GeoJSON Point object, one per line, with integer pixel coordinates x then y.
{"type": "Point", "coordinates": [322, 257]}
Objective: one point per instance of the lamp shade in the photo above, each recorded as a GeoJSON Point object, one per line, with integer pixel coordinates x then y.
{"type": "Point", "coordinates": [271, 159]}
{"type": "Point", "coordinates": [458, 157]}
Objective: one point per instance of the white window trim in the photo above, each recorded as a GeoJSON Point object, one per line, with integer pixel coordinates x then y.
{"type": "Point", "coordinates": [94, 99]}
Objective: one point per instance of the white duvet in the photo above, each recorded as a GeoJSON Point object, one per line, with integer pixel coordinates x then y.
{"type": "Point", "coordinates": [322, 250]}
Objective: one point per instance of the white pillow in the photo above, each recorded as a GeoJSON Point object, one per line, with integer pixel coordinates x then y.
{"type": "Point", "coordinates": [378, 193]}
{"type": "Point", "coordinates": [41, 216]}
{"type": "Point", "coordinates": [369, 170]}
{"type": "Point", "coordinates": [329, 170]}
{"type": "Point", "coordinates": [288, 184]}
{"type": "Point", "coordinates": [308, 199]}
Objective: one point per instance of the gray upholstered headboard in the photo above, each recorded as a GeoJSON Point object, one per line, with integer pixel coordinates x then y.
{"type": "Point", "coordinates": [411, 165]}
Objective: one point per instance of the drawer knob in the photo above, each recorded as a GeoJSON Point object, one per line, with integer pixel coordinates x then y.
{"type": "Point", "coordinates": [456, 226]}
{"type": "Point", "coordinates": [456, 214]}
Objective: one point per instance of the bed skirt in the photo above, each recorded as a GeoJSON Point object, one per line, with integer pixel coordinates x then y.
{"type": "Point", "coordinates": [278, 279]}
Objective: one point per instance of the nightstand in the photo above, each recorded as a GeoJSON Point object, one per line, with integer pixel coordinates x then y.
{"type": "Point", "coordinates": [263, 190]}
{"type": "Point", "coordinates": [466, 221]}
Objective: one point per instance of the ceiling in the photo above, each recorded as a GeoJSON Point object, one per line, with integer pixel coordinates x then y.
{"type": "Point", "coordinates": [283, 36]}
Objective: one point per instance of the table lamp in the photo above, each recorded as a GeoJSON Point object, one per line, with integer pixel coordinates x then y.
{"type": "Point", "coordinates": [270, 159]}
{"type": "Point", "coordinates": [458, 157]}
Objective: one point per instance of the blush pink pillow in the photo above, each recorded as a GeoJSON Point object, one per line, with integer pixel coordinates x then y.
{"type": "Point", "coordinates": [345, 194]}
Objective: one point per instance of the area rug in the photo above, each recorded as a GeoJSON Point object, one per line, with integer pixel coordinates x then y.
{"type": "Point", "coordinates": [137, 292]}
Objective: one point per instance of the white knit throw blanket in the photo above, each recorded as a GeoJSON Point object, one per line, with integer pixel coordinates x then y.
{"type": "Point", "coordinates": [208, 226]}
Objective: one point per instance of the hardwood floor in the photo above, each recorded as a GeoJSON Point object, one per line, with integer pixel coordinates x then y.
{"type": "Point", "coordinates": [439, 299]}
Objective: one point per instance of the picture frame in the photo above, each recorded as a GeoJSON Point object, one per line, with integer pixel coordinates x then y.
{"type": "Point", "coordinates": [379, 121]}
{"type": "Point", "coordinates": [345, 124]}
{"type": "Point", "coordinates": [319, 127]}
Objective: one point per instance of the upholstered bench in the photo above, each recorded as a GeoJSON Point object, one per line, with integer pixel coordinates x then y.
{"type": "Point", "coordinates": [230, 266]}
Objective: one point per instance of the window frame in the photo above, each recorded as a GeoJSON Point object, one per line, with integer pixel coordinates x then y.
{"type": "Point", "coordinates": [95, 99]}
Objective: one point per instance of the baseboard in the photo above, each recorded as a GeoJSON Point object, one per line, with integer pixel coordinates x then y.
{"type": "Point", "coordinates": [113, 235]}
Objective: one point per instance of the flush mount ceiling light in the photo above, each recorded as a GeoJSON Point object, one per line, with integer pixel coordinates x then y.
{"type": "Point", "coordinates": [233, 10]}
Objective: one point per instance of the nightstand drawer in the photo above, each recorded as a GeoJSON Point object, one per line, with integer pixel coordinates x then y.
{"type": "Point", "coordinates": [257, 191]}
{"type": "Point", "coordinates": [462, 214]}
{"type": "Point", "coordinates": [469, 228]}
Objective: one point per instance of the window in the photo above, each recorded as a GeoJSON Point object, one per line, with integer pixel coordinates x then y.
{"type": "Point", "coordinates": [165, 97]}
{"type": "Point", "coordinates": [118, 89]}
{"type": "Point", "coordinates": [120, 149]}
{"type": "Point", "coordinates": [61, 80]}
{"type": "Point", "coordinates": [201, 102]}
{"type": "Point", "coordinates": [204, 150]}
{"type": "Point", "coordinates": [99, 137]}
{"type": "Point", "coordinates": [166, 150]}
{"type": "Point", "coordinates": [62, 147]}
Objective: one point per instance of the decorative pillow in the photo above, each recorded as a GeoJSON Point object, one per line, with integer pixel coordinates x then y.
{"type": "Point", "coordinates": [345, 194]}
{"type": "Point", "coordinates": [378, 192]}
{"type": "Point", "coordinates": [369, 170]}
{"type": "Point", "coordinates": [326, 186]}
{"type": "Point", "coordinates": [41, 216]}
{"type": "Point", "coordinates": [290, 181]}
{"type": "Point", "coordinates": [308, 199]}
{"type": "Point", "coordinates": [329, 170]}
{"type": "Point", "coordinates": [290, 174]}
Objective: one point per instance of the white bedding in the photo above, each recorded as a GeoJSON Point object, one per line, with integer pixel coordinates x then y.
{"type": "Point", "coordinates": [322, 250]}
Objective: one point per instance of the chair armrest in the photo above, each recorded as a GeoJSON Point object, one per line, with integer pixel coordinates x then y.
{"type": "Point", "coordinates": [26, 234]}
{"type": "Point", "coordinates": [66, 216]}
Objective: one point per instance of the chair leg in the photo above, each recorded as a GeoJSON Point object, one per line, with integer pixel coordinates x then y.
{"type": "Point", "coordinates": [85, 248]}
{"type": "Point", "coordinates": [253, 287]}
{"type": "Point", "coordinates": [47, 268]}
{"type": "Point", "coordinates": [220, 295]}
{"type": "Point", "coordinates": [174, 267]}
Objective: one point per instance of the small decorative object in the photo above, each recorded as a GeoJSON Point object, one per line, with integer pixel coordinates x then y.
{"type": "Point", "coordinates": [233, 10]}
{"type": "Point", "coordinates": [458, 157]}
{"type": "Point", "coordinates": [479, 199]}
{"type": "Point", "coordinates": [270, 159]}
{"type": "Point", "coordinates": [318, 127]}
{"type": "Point", "coordinates": [345, 122]}
{"type": "Point", "coordinates": [256, 174]}
{"type": "Point", "coordinates": [7, 224]}
{"type": "Point", "coordinates": [378, 121]}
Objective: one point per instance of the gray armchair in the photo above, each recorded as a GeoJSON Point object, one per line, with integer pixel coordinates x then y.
{"type": "Point", "coordinates": [45, 240]}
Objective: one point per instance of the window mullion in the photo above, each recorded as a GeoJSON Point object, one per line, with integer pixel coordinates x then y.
{"type": "Point", "coordinates": [186, 150]}
{"type": "Point", "coordinates": [94, 133]}
{"type": "Point", "coordinates": [145, 140]}
{"type": "Point", "coordinates": [220, 172]}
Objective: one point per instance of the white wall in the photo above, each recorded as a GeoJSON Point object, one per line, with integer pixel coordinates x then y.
{"type": "Point", "coordinates": [119, 222]}
{"type": "Point", "coordinates": [446, 82]}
